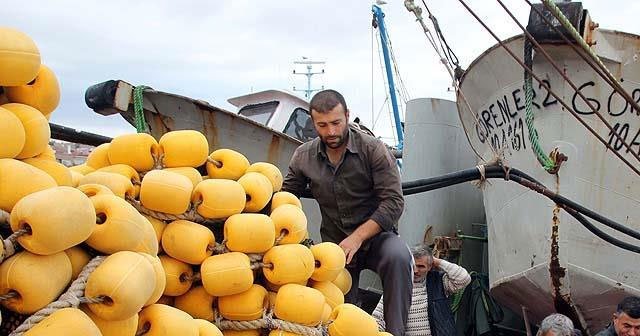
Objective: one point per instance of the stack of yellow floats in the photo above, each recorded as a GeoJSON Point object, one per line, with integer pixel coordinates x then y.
{"type": "Point", "coordinates": [165, 272]}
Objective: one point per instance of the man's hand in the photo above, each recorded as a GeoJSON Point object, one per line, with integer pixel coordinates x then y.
{"type": "Point", "coordinates": [350, 246]}
{"type": "Point", "coordinates": [435, 262]}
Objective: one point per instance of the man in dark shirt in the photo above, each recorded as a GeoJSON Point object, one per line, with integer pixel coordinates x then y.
{"type": "Point", "coordinates": [626, 319]}
{"type": "Point", "coordinates": [356, 182]}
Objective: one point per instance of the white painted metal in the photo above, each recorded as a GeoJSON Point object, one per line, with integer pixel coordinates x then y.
{"type": "Point", "coordinates": [598, 274]}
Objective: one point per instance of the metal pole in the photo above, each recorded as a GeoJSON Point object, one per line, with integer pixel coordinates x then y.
{"type": "Point", "coordinates": [377, 11]}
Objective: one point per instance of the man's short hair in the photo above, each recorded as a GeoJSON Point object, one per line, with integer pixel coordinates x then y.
{"type": "Point", "coordinates": [559, 324]}
{"type": "Point", "coordinates": [630, 306]}
{"type": "Point", "coordinates": [421, 250]}
{"type": "Point", "coordinates": [326, 100]}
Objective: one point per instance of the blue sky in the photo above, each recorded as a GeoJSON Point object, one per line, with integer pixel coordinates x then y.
{"type": "Point", "coordinates": [214, 50]}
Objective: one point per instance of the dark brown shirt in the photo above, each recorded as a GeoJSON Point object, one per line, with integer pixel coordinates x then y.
{"type": "Point", "coordinates": [364, 185]}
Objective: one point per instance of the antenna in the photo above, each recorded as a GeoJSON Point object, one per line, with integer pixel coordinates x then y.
{"type": "Point", "coordinates": [310, 73]}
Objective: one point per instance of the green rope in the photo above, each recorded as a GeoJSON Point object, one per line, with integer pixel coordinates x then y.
{"type": "Point", "coordinates": [138, 108]}
{"type": "Point", "coordinates": [576, 36]}
{"type": "Point", "coordinates": [546, 162]}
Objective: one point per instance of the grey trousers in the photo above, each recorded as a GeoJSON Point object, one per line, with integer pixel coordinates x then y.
{"type": "Point", "coordinates": [390, 258]}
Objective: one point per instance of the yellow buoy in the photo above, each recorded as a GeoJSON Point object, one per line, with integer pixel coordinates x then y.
{"type": "Point", "coordinates": [60, 173]}
{"type": "Point", "coordinates": [226, 274]}
{"type": "Point", "coordinates": [42, 93]}
{"type": "Point", "coordinates": [197, 303]}
{"type": "Point", "coordinates": [299, 304]}
{"type": "Point", "coordinates": [226, 164]}
{"type": "Point", "coordinates": [273, 287]}
{"type": "Point", "coordinates": [249, 233]}
{"type": "Point", "coordinates": [206, 328]}
{"type": "Point", "coordinates": [331, 292]}
{"type": "Point", "coordinates": [166, 300]}
{"type": "Point", "coordinates": [12, 134]}
{"type": "Point", "coordinates": [38, 280]}
{"type": "Point", "coordinates": [82, 169]}
{"type": "Point", "coordinates": [120, 227]}
{"type": "Point", "coordinates": [19, 58]}
{"type": "Point", "coordinates": [179, 276]}
{"type": "Point", "coordinates": [75, 178]}
{"type": "Point", "coordinates": [118, 184]}
{"type": "Point", "coordinates": [185, 148]}
{"type": "Point", "coordinates": [57, 218]}
{"type": "Point", "coordinates": [158, 184]}
{"type": "Point", "coordinates": [343, 281]}
{"type": "Point", "coordinates": [219, 198]}
{"type": "Point", "coordinates": [149, 243]}
{"type": "Point", "coordinates": [246, 306]}
{"type": "Point", "coordinates": [99, 157]}
{"type": "Point", "coordinates": [284, 197]}
{"type": "Point", "coordinates": [290, 263]}
{"type": "Point", "coordinates": [258, 190]}
{"type": "Point", "coordinates": [189, 172]}
{"type": "Point", "coordinates": [278, 332]}
{"type": "Point", "coordinates": [161, 279]}
{"type": "Point", "coordinates": [326, 314]}
{"type": "Point", "coordinates": [36, 129]}
{"type": "Point", "coordinates": [79, 258]}
{"type": "Point", "coordinates": [188, 241]}
{"type": "Point", "coordinates": [137, 150]}
{"type": "Point", "coordinates": [125, 280]}
{"type": "Point", "coordinates": [272, 297]}
{"type": "Point", "coordinates": [158, 227]}
{"type": "Point", "coordinates": [241, 333]}
{"type": "Point", "coordinates": [270, 171]}
{"type": "Point", "coordinates": [161, 320]}
{"type": "Point", "coordinates": [65, 322]}
{"type": "Point", "coordinates": [384, 333]}
{"type": "Point", "coordinates": [330, 261]}
{"type": "Point", "coordinates": [113, 328]}
{"type": "Point", "coordinates": [18, 179]}
{"type": "Point", "coordinates": [290, 222]}
{"type": "Point", "coordinates": [48, 154]}
{"type": "Point", "coordinates": [350, 320]}
{"type": "Point", "coordinates": [124, 170]}
{"type": "Point", "coordinates": [93, 189]}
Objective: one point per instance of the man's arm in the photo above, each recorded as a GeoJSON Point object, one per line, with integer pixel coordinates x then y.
{"type": "Point", "coordinates": [455, 277]}
{"type": "Point", "coordinates": [295, 181]}
{"type": "Point", "coordinates": [387, 187]}
{"type": "Point", "coordinates": [378, 314]}
{"type": "Point", "coordinates": [352, 243]}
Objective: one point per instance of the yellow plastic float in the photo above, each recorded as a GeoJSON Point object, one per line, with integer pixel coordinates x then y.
{"type": "Point", "coordinates": [19, 58]}
{"type": "Point", "coordinates": [118, 184]}
{"type": "Point", "coordinates": [284, 197]}
{"type": "Point", "coordinates": [137, 150]}
{"type": "Point", "coordinates": [42, 93]}
{"type": "Point", "coordinates": [331, 292]}
{"type": "Point", "coordinates": [273, 287]}
{"type": "Point", "coordinates": [113, 328]}
{"type": "Point", "coordinates": [99, 157]}
{"type": "Point", "coordinates": [246, 306]}
{"type": "Point", "coordinates": [226, 164]}
{"type": "Point", "coordinates": [126, 280]}
{"type": "Point", "coordinates": [162, 320]}
{"type": "Point", "coordinates": [179, 276]}
{"type": "Point", "coordinates": [124, 170]}
{"type": "Point", "coordinates": [188, 241]}
{"type": "Point", "coordinates": [290, 222]}
{"type": "Point", "coordinates": [79, 258]}
{"type": "Point", "coordinates": [57, 218]}
{"type": "Point", "coordinates": [149, 243]}
{"type": "Point", "coordinates": [75, 178]}
{"type": "Point", "coordinates": [120, 227]}
{"type": "Point", "coordinates": [158, 227]}
{"type": "Point", "coordinates": [219, 198]}
{"type": "Point", "coordinates": [185, 148]}
{"type": "Point", "coordinates": [93, 189]}
{"type": "Point", "coordinates": [299, 304]}
{"type": "Point", "coordinates": [270, 171]}
{"type": "Point", "coordinates": [161, 279]}
{"type": "Point", "coordinates": [36, 129]}
{"type": "Point", "coordinates": [258, 190]}
{"type": "Point", "coordinates": [206, 328]}
{"type": "Point", "coordinates": [60, 173]}
{"type": "Point", "coordinates": [197, 303]}
{"type": "Point", "coordinates": [65, 322]}
{"type": "Point", "coordinates": [241, 333]}
{"type": "Point", "coordinates": [350, 320]}
{"type": "Point", "coordinates": [12, 134]}
{"type": "Point", "coordinates": [18, 179]}
{"type": "Point", "coordinates": [38, 280]}
{"type": "Point", "coordinates": [343, 281]}
{"type": "Point", "coordinates": [48, 154]}
{"type": "Point", "coordinates": [226, 274]}
{"type": "Point", "coordinates": [330, 261]}
{"type": "Point", "coordinates": [290, 263]}
{"type": "Point", "coordinates": [157, 185]}
{"type": "Point", "coordinates": [189, 172]}
{"type": "Point", "coordinates": [82, 169]}
{"type": "Point", "coordinates": [249, 233]}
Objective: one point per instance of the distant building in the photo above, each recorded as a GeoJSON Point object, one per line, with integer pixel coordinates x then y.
{"type": "Point", "coordinates": [70, 154]}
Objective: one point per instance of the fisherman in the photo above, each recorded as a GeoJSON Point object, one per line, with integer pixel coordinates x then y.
{"type": "Point", "coordinates": [626, 319]}
{"type": "Point", "coordinates": [556, 325]}
{"type": "Point", "coordinates": [356, 182]}
{"type": "Point", "coordinates": [433, 281]}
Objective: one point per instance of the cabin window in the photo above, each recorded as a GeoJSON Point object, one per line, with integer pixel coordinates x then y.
{"type": "Point", "coordinates": [300, 125]}
{"type": "Point", "coordinates": [260, 113]}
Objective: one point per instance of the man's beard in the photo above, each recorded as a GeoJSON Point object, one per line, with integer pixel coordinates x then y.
{"type": "Point", "coordinates": [337, 141]}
